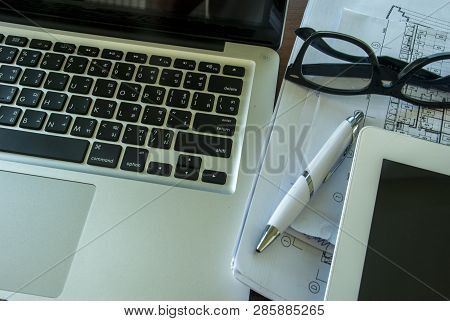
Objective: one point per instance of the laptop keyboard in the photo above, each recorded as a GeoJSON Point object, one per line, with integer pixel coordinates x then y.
{"type": "Point", "coordinates": [106, 109]}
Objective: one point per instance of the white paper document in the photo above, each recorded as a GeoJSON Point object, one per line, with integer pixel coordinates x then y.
{"type": "Point", "coordinates": [406, 29]}
{"type": "Point", "coordinates": [404, 37]}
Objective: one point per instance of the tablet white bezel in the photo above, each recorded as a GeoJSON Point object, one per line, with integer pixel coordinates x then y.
{"type": "Point", "coordinates": [373, 146]}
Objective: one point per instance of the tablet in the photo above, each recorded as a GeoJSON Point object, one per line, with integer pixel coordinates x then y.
{"type": "Point", "coordinates": [393, 241]}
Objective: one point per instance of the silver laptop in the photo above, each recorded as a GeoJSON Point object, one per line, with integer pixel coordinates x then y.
{"type": "Point", "coordinates": [130, 132]}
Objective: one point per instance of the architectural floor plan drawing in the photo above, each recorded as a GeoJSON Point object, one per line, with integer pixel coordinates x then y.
{"type": "Point", "coordinates": [422, 36]}
{"type": "Point", "coordinates": [400, 14]}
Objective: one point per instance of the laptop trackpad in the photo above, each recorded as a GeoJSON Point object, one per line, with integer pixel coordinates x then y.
{"type": "Point", "coordinates": [41, 220]}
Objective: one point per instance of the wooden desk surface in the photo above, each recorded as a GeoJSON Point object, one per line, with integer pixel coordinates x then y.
{"type": "Point", "coordinates": [294, 16]}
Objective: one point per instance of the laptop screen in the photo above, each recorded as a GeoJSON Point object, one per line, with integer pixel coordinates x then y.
{"type": "Point", "coordinates": [246, 21]}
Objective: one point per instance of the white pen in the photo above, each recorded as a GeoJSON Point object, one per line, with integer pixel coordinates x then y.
{"type": "Point", "coordinates": [318, 171]}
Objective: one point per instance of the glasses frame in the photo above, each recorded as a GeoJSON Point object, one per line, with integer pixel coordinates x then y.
{"type": "Point", "coordinates": [396, 72]}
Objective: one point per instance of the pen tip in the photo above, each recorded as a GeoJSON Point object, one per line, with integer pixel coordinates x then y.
{"type": "Point", "coordinates": [269, 235]}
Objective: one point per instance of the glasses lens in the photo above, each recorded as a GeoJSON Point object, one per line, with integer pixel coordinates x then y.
{"type": "Point", "coordinates": [337, 64]}
{"type": "Point", "coordinates": [430, 84]}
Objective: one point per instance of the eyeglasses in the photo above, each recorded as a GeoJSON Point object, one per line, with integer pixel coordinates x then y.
{"type": "Point", "coordinates": [339, 64]}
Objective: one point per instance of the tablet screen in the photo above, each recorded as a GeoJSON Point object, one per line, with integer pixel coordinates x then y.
{"type": "Point", "coordinates": [408, 256]}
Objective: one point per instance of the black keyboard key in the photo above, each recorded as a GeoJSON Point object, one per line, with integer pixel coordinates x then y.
{"type": "Point", "coordinates": [84, 127]}
{"type": "Point", "coordinates": [202, 144]}
{"type": "Point", "coordinates": [129, 91]}
{"type": "Point", "coordinates": [67, 48]}
{"type": "Point", "coordinates": [195, 81]}
{"type": "Point", "coordinates": [153, 95]}
{"type": "Point", "coordinates": [160, 169]}
{"type": "Point", "coordinates": [58, 123]}
{"type": "Point", "coordinates": [154, 116]}
{"type": "Point", "coordinates": [45, 146]}
{"type": "Point", "coordinates": [209, 67]}
{"type": "Point", "coordinates": [214, 177]}
{"type": "Point", "coordinates": [136, 57]}
{"type": "Point", "coordinates": [188, 167]}
{"type": "Point", "coordinates": [179, 119]}
{"type": "Point", "coordinates": [171, 78]}
{"type": "Point", "coordinates": [54, 101]}
{"type": "Point", "coordinates": [160, 61]}
{"type": "Point", "coordinates": [228, 105]}
{"type": "Point", "coordinates": [225, 85]}
{"type": "Point", "coordinates": [32, 77]}
{"type": "Point", "coordinates": [76, 65]}
{"type": "Point", "coordinates": [8, 54]}
{"type": "Point", "coordinates": [40, 44]}
{"type": "Point", "coordinates": [33, 119]}
{"type": "Point", "coordinates": [80, 85]}
{"type": "Point", "coordinates": [29, 97]}
{"type": "Point", "coordinates": [88, 51]}
{"type": "Point", "coordinates": [52, 61]}
{"type": "Point", "coordinates": [16, 41]}
{"type": "Point", "coordinates": [160, 138]}
{"type": "Point", "coordinates": [147, 74]}
{"type": "Point", "coordinates": [79, 105]}
{"type": "Point", "coordinates": [187, 173]}
{"type": "Point", "coordinates": [112, 54]}
{"type": "Point", "coordinates": [56, 81]}
{"type": "Point", "coordinates": [109, 131]}
{"type": "Point", "coordinates": [99, 68]}
{"type": "Point", "coordinates": [9, 74]}
{"type": "Point", "coordinates": [184, 64]}
{"type": "Point", "coordinates": [212, 124]}
{"type": "Point", "coordinates": [135, 135]}
{"type": "Point", "coordinates": [129, 112]}
{"type": "Point", "coordinates": [134, 159]}
{"type": "Point", "coordinates": [29, 58]}
{"type": "Point", "coordinates": [104, 155]}
{"type": "Point", "coordinates": [178, 98]}
{"type": "Point", "coordinates": [123, 71]}
{"type": "Point", "coordinates": [104, 108]}
{"type": "Point", "coordinates": [9, 115]}
{"type": "Point", "coordinates": [234, 71]}
{"type": "Point", "coordinates": [189, 161]}
{"type": "Point", "coordinates": [7, 94]}
{"type": "Point", "coordinates": [104, 88]}
{"type": "Point", "coordinates": [202, 101]}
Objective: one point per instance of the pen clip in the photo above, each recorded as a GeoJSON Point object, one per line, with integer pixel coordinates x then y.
{"type": "Point", "coordinates": [355, 123]}
{"type": "Point", "coordinates": [338, 163]}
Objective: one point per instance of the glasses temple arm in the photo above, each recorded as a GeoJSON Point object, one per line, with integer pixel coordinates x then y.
{"type": "Point", "coordinates": [441, 83]}
{"type": "Point", "coordinates": [399, 66]}
{"type": "Point", "coordinates": [364, 71]}
{"type": "Point", "coordinates": [336, 70]}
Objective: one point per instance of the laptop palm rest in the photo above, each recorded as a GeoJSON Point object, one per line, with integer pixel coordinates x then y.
{"type": "Point", "coordinates": [41, 220]}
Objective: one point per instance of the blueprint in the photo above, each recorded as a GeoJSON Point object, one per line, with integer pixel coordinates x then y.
{"type": "Point", "coordinates": [421, 37]}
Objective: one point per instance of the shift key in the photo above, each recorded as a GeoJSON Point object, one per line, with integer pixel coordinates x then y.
{"type": "Point", "coordinates": [225, 85]}
{"type": "Point", "coordinates": [104, 155]}
{"type": "Point", "coordinates": [203, 144]}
